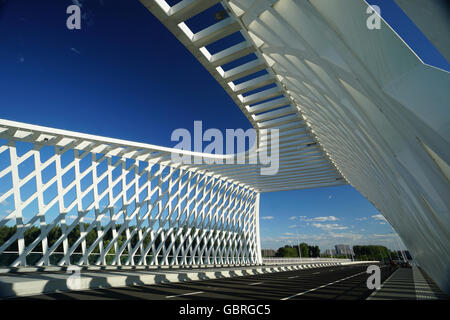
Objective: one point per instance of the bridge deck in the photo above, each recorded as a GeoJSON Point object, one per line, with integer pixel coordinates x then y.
{"type": "Point", "coordinates": [408, 284]}
{"type": "Point", "coordinates": [347, 281]}
{"type": "Point", "coordinates": [19, 284]}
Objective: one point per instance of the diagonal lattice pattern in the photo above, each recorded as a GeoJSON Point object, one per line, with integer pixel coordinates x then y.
{"type": "Point", "coordinates": [248, 74]}
{"type": "Point", "coordinates": [72, 200]}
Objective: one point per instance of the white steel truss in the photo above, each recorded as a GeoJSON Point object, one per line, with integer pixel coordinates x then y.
{"type": "Point", "coordinates": [374, 114]}
{"type": "Point", "coordinates": [351, 104]}
{"type": "Point", "coordinates": [111, 205]}
{"type": "Point", "coordinates": [303, 162]}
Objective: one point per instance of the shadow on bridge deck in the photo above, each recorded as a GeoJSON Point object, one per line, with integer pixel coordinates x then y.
{"type": "Point", "coordinates": [408, 284]}
{"type": "Point", "coordinates": [22, 284]}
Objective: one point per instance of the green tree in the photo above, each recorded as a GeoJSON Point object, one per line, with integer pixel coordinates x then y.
{"type": "Point", "coordinates": [6, 233]}
{"type": "Point", "coordinates": [292, 251]}
{"type": "Point", "coordinates": [314, 251]}
{"type": "Point", "coordinates": [32, 234]}
{"type": "Point", "coordinates": [371, 252]}
{"type": "Point", "coordinates": [287, 252]}
{"type": "Point", "coordinates": [304, 250]}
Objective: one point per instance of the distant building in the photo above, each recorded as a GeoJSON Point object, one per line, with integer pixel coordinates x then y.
{"type": "Point", "coordinates": [330, 252]}
{"type": "Point", "coordinates": [343, 249]}
{"type": "Point", "coordinates": [268, 253]}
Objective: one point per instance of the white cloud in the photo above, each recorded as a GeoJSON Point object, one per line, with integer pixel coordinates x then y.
{"type": "Point", "coordinates": [292, 226]}
{"type": "Point", "coordinates": [323, 219]}
{"type": "Point", "coordinates": [270, 239]}
{"type": "Point", "coordinates": [329, 239]}
{"type": "Point", "coordinates": [4, 202]}
{"type": "Point", "coordinates": [329, 226]}
{"type": "Point", "coordinates": [288, 234]}
{"type": "Point", "coordinates": [293, 218]}
{"type": "Point", "coordinates": [379, 217]}
{"type": "Point", "coordinates": [268, 218]}
{"type": "Point", "coordinates": [89, 219]}
{"type": "Point", "coordinates": [346, 236]}
{"type": "Point", "coordinates": [361, 219]}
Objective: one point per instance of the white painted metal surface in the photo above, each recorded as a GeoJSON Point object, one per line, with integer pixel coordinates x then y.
{"type": "Point", "coordinates": [158, 213]}
{"type": "Point", "coordinates": [376, 111]}
{"type": "Point", "coordinates": [303, 163]}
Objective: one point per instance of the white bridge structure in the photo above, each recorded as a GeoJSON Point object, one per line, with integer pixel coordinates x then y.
{"type": "Point", "coordinates": [353, 106]}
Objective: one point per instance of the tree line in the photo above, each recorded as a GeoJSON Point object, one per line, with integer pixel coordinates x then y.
{"type": "Point", "coordinates": [32, 233]}
{"type": "Point", "coordinates": [306, 251]}
{"type": "Point", "coordinates": [361, 252]}
{"type": "Point", "coordinates": [374, 252]}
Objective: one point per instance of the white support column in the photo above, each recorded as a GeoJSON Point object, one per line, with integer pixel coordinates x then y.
{"type": "Point", "coordinates": [258, 237]}
{"type": "Point", "coordinates": [17, 203]}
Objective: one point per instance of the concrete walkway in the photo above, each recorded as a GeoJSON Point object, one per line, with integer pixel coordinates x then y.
{"type": "Point", "coordinates": [408, 284]}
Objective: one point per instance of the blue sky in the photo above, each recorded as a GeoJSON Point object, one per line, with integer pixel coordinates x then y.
{"type": "Point", "coordinates": [324, 217]}
{"type": "Point", "coordinates": [124, 75]}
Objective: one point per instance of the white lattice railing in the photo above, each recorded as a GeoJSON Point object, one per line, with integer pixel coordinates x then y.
{"type": "Point", "coordinates": [278, 261]}
{"type": "Point", "coordinates": [74, 199]}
